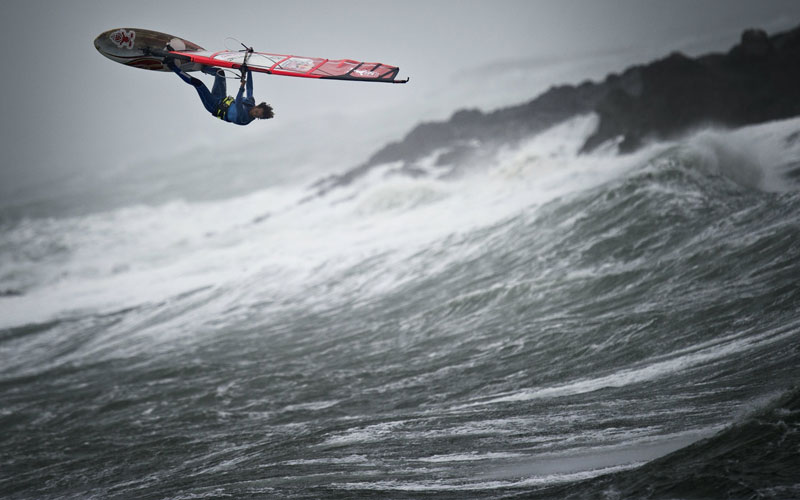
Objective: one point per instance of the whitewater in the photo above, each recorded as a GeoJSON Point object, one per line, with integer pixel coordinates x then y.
{"type": "Point", "coordinates": [547, 324]}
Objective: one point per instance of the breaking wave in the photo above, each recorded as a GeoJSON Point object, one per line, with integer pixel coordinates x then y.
{"type": "Point", "coordinates": [546, 324]}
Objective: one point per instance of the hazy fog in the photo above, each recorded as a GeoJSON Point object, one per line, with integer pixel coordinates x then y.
{"type": "Point", "coordinates": [70, 110]}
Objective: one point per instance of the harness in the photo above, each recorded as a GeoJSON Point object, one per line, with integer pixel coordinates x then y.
{"type": "Point", "coordinates": [222, 107]}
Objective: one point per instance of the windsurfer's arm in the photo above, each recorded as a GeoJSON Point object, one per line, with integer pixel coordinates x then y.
{"type": "Point", "coordinates": [249, 84]}
{"type": "Point", "coordinates": [241, 90]}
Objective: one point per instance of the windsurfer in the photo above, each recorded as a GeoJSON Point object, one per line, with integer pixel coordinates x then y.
{"type": "Point", "coordinates": [239, 110]}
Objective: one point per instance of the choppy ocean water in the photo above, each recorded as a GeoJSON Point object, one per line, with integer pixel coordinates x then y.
{"type": "Point", "coordinates": [552, 325]}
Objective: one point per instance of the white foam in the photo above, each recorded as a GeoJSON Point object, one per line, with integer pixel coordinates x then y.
{"type": "Point", "coordinates": [647, 371]}
{"type": "Point", "coordinates": [455, 485]}
{"type": "Point", "coordinates": [754, 156]}
{"type": "Point", "coordinates": [138, 256]}
{"type": "Point", "coordinates": [368, 434]}
{"type": "Point", "coordinates": [474, 456]}
{"type": "Point", "coordinates": [312, 406]}
{"type": "Point", "coordinates": [357, 243]}
{"type": "Point", "coordinates": [345, 460]}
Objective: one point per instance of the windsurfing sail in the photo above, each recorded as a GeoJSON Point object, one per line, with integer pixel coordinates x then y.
{"type": "Point", "coordinates": [299, 66]}
{"type": "Point", "coordinates": [148, 49]}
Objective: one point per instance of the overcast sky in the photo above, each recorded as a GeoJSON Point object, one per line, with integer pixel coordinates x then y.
{"type": "Point", "coordinates": [67, 108]}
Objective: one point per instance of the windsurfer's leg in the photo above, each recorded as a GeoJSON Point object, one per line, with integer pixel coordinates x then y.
{"type": "Point", "coordinates": [209, 102]}
{"type": "Point", "coordinates": [219, 90]}
{"type": "Point", "coordinates": [186, 78]}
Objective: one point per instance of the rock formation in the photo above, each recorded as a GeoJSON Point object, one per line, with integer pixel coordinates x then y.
{"type": "Point", "coordinates": [758, 80]}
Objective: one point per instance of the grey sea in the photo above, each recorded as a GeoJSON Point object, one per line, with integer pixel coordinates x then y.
{"type": "Point", "coordinates": [545, 325]}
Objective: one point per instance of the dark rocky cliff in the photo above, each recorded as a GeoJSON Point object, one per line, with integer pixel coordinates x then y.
{"type": "Point", "coordinates": [757, 80]}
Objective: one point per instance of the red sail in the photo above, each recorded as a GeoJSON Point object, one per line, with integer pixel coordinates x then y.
{"type": "Point", "coordinates": [305, 67]}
